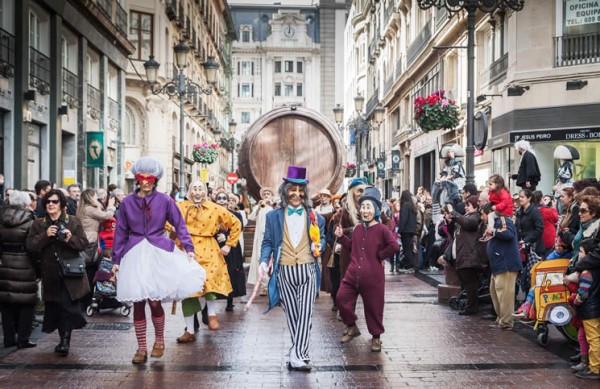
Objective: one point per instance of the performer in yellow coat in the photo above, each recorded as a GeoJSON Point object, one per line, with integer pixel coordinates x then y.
{"type": "Point", "coordinates": [204, 219]}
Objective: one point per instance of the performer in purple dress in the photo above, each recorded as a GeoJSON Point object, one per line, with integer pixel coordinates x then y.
{"type": "Point", "coordinates": [148, 266]}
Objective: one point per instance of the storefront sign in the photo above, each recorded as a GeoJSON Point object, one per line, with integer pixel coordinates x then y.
{"type": "Point", "coordinates": [395, 161]}
{"type": "Point", "coordinates": [95, 149]}
{"type": "Point", "coordinates": [568, 135]}
{"type": "Point", "coordinates": [580, 12]}
{"type": "Point", "coordinates": [380, 167]}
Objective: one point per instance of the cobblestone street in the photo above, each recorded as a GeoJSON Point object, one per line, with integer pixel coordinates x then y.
{"type": "Point", "coordinates": [425, 345]}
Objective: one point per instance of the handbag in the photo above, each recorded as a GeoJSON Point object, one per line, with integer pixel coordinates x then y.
{"type": "Point", "coordinates": [71, 267]}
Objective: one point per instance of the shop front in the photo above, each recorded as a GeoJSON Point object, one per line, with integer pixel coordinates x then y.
{"type": "Point", "coordinates": [505, 159]}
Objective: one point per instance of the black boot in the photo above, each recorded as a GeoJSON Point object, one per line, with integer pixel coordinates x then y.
{"type": "Point", "coordinates": [229, 307]}
{"type": "Point", "coordinates": [392, 268]}
{"type": "Point", "coordinates": [65, 343]}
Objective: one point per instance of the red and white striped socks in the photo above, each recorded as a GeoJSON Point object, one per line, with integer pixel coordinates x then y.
{"type": "Point", "coordinates": [159, 328]}
{"type": "Point", "coordinates": [140, 333]}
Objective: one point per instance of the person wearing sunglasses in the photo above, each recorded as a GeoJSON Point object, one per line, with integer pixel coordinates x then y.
{"type": "Point", "coordinates": [148, 266]}
{"type": "Point", "coordinates": [235, 258]}
{"type": "Point", "coordinates": [59, 235]}
{"type": "Point", "coordinates": [204, 219]}
{"type": "Point", "coordinates": [589, 223]}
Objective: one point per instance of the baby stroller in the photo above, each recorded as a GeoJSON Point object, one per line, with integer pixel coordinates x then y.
{"type": "Point", "coordinates": [105, 291]}
{"type": "Point", "coordinates": [483, 295]}
{"type": "Point", "coordinates": [552, 300]}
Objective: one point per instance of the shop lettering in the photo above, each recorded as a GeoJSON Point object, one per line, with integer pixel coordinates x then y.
{"type": "Point", "coordinates": [535, 137]}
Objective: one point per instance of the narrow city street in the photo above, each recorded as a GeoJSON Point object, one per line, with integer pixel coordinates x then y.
{"type": "Point", "coordinates": [426, 344]}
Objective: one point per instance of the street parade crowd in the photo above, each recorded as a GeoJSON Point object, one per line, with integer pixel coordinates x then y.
{"type": "Point", "coordinates": [76, 249]}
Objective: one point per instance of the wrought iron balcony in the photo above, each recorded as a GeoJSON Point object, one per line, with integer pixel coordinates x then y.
{"type": "Point", "coordinates": [579, 49]}
{"type": "Point", "coordinates": [7, 53]}
{"type": "Point", "coordinates": [419, 44]}
{"type": "Point", "coordinates": [70, 82]}
{"type": "Point", "coordinates": [39, 71]}
{"type": "Point", "coordinates": [93, 103]}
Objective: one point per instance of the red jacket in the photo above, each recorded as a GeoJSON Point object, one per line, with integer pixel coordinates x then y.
{"type": "Point", "coordinates": [503, 202]}
{"type": "Point", "coordinates": [550, 218]}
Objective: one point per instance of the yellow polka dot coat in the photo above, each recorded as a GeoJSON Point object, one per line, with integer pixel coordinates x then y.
{"type": "Point", "coordinates": [203, 223]}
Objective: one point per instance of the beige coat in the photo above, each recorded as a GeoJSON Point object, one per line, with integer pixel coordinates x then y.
{"type": "Point", "coordinates": [91, 219]}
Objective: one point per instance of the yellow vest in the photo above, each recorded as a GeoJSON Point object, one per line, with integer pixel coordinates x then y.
{"type": "Point", "coordinates": [299, 255]}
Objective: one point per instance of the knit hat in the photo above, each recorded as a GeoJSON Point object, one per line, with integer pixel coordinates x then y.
{"type": "Point", "coordinates": [358, 181]}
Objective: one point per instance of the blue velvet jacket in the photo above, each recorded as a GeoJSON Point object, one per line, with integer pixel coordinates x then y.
{"type": "Point", "coordinates": [271, 246]}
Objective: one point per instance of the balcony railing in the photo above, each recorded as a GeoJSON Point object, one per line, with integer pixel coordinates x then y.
{"type": "Point", "coordinates": [7, 53]}
{"type": "Point", "coordinates": [39, 71]}
{"type": "Point", "coordinates": [93, 103]}
{"type": "Point", "coordinates": [372, 102]}
{"type": "Point", "coordinates": [113, 113]}
{"type": "Point", "coordinates": [106, 7]}
{"type": "Point", "coordinates": [441, 17]}
{"type": "Point", "coordinates": [70, 81]}
{"type": "Point", "coordinates": [498, 68]}
{"type": "Point", "coordinates": [398, 67]}
{"type": "Point", "coordinates": [577, 49]}
{"type": "Point", "coordinates": [417, 46]}
{"type": "Point", "coordinates": [121, 17]}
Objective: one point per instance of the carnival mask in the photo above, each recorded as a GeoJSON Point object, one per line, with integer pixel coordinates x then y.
{"type": "Point", "coordinates": [197, 192]}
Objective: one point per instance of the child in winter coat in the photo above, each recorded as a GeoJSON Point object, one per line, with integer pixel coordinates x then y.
{"type": "Point", "coordinates": [502, 203]}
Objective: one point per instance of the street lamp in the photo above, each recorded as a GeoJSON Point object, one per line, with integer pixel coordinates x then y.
{"type": "Point", "coordinates": [181, 86]}
{"type": "Point", "coordinates": [471, 6]}
{"type": "Point", "coordinates": [357, 121]}
{"type": "Point", "coordinates": [229, 143]}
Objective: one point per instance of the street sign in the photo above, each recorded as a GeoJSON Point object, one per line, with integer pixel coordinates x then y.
{"type": "Point", "coordinates": [232, 178]}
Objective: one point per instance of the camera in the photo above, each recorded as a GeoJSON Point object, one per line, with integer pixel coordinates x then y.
{"type": "Point", "coordinates": [61, 233]}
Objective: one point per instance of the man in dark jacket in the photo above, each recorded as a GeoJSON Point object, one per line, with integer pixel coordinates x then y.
{"type": "Point", "coordinates": [73, 199]}
{"type": "Point", "coordinates": [505, 265]}
{"type": "Point", "coordinates": [41, 188]}
{"type": "Point", "coordinates": [529, 173]}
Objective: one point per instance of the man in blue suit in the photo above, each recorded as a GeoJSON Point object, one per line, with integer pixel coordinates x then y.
{"type": "Point", "coordinates": [295, 251]}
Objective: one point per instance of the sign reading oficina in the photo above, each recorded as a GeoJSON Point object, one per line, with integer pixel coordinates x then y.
{"type": "Point", "coordinates": [580, 12]}
{"type": "Point", "coordinates": [95, 149]}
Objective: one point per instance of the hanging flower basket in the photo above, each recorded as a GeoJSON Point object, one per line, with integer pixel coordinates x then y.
{"type": "Point", "coordinates": [435, 112]}
{"type": "Point", "coordinates": [205, 152]}
{"type": "Point", "coordinates": [350, 170]}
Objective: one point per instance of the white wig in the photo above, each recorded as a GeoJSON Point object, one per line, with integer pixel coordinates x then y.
{"type": "Point", "coordinates": [148, 165]}
{"type": "Point", "coordinates": [19, 198]}
{"type": "Point", "coordinates": [523, 145]}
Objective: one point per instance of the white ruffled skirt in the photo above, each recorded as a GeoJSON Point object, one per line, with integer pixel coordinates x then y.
{"type": "Point", "coordinates": [148, 272]}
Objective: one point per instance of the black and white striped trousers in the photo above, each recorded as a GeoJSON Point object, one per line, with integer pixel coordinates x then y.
{"type": "Point", "coordinates": [298, 288]}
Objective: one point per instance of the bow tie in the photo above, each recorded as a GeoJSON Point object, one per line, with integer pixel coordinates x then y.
{"type": "Point", "coordinates": [292, 211]}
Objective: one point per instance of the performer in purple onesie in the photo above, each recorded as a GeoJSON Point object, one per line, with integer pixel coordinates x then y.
{"type": "Point", "coordinates": [371, 243]}
{"type": "Point", "coordinates": [148, 265]}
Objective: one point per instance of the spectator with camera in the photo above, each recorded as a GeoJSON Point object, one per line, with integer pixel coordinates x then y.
{"type": "Point", "coordinates": [58, 235]}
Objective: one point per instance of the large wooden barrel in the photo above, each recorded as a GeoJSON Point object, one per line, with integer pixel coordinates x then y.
{"type": "Point", "coordinates": [286, 136]}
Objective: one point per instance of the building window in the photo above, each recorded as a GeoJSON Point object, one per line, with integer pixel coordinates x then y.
{"type": "Point", "coordinates": [245, 34]}
{"type": "Point", "coordinates": [129, 127]}
{"type": "Point", "coordinates": [245, 90]}
{"type": "Point", "coordinates": [246, 68]}
{"type": "Point", "coordinates": [289, 66]}
{"type": "Point", "coordinates": [277, 66]}
{"type": "Point", "coordinates": [299, 67]}
{"type": "Point", "coordinates": [64, 52]}
{"type": "Point", "coordinates": [140, 34]}
{"type": "Point", "coordinates": [34, 31]}
{"type": "Point", "coordinates": [245, 117]}
{"type": "Point", "coordinates": [277, 89]}
{"type": "Point", "coordinates": [289, 90]}
{"type": "Point", "coordinates": [299, 89]}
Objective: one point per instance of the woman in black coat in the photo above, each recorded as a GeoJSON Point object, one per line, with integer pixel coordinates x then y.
{"type": "Point", "coordinates": [235, 258]}
{"type": "Point", "coordinates": [18, 272]}
{"type": "Point", "coordinates": [530, 224]}
{"type": "Point", "coordinates": [468, 262]}
{"type": "Point", "coordinates": [59, 233]}
{"type": "Point", "coordinates": [407, 228]}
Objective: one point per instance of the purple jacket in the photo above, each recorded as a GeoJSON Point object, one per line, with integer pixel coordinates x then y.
{"type": "Point", "coordinates": [145, 218]}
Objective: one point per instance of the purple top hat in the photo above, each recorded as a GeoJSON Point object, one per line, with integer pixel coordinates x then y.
{"type": "Point", "coordinates": [296, 175]}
